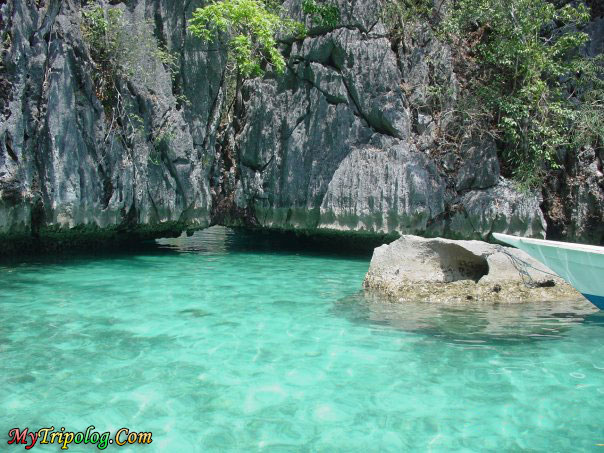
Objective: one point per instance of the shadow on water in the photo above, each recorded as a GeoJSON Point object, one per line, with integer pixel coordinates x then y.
{"type": "Point", "coordinates": [509, 323]}
{"type": "Point", "coordinates": [596, 318]}
{"type": "Point", "coordinates": [213, 241]}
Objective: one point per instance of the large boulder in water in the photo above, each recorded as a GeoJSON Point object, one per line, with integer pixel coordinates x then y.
{"type": "Point", "coordinates": [441, 270]}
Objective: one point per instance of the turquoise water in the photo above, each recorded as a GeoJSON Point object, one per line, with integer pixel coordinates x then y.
{"type": "Point", "coordinates": [223, 343]}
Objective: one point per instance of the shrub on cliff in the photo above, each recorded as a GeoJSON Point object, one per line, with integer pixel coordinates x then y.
{"type": "Point", "coordinates": [532, 78]}
{"type": "Point", "coordinates": [526, 78]}
{"type": "Point", "coordinates": [250, 26]}
{"type": "Point", "coordinates": [251, 29]}
{"type": "Point", "coordinates": [121, 49]}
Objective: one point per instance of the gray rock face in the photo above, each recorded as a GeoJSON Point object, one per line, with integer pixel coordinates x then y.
{"type": "Point", "coordinates": [66, 163]}
{"type": "Point", "coordinates": [575, 202]}
{"type": "Point", "coordinates": [595, 29]}
{"type": "Point", "coordinates": [497, 209]}
{"type": "Point", "coordinates": [344, 143]}
{"type": "Point", "coordinates": [480, 167]}
{"type": "Point", "coordinates": [418, 269]}
{"type": "Point", "coordinates": [383, 191]}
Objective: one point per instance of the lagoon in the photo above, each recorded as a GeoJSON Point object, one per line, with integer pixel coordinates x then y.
{"type": "Point", "coordinates": [230, 341]}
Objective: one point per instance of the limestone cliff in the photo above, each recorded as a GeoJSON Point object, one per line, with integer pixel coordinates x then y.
{"type": "Point", "coordinates": [344, 141]}
{"type": "Point", "coordinates": [68, 169]}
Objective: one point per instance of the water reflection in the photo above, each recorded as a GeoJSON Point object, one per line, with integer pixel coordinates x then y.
{"type": "Point", "coordinates": [219, 239]}
{"type": "Point", "coordinates": [475, 323]}
{"type": "Point", "coordinates": [211, 240]}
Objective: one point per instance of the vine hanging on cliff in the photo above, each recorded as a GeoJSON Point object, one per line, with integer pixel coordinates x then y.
{"type": "Point", "coordinates": [121, 50]}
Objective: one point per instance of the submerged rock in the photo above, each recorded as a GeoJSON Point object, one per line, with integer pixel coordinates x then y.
{"type": "Point", "coordinates": [441, 270]}
{"type": "Point", "coordinates": [470, 323]}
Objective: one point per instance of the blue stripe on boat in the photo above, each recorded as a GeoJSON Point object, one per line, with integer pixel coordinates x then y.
{"type": "Point", "coordinates": [598, 301]}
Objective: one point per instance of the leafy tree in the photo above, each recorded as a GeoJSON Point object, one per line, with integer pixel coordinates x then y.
{"type": "Point", "coordinates": [251, 26]}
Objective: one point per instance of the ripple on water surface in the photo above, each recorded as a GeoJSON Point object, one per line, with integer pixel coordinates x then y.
{"type": "Point", "coordinates": [228, 342]}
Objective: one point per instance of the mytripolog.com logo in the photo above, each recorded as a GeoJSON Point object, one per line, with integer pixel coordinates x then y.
{"type": "Point", "coordinates": [42, 436]}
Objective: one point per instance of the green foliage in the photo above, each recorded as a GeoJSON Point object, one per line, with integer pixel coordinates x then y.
{"type": "Point", "coordinates": [251, 26]}
{"type": "Point", "coordinates": [588, 122]}
{"type": "Point", "coordinates": [103, 29]}
{"type": "Point", "coordinates": [532, 78]}
{"type": "Point", "coordinates": [323, 15]}
{"type": "Point", "coordinates": [161, 142]}
{"type": "Point", "coordinates": [121, 49]}
{"type": "Point", "coordinates": [6, 43]}
{"type": "Point", "coordinates": [397, 14]}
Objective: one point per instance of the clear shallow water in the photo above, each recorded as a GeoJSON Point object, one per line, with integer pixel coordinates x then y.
{"type": "Point", "coordinates": [221, 343]}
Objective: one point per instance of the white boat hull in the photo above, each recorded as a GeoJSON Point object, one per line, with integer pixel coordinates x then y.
{"type": "Point", "coordinates": [580, 265]}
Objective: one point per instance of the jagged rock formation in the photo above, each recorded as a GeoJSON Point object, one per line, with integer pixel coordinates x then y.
{"type": "Point", "coordinates": [440, 270]}
{"type": "Point", "coordinates": [67, 170]}
{"type": "Point", "coordinates": [346, 140]}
